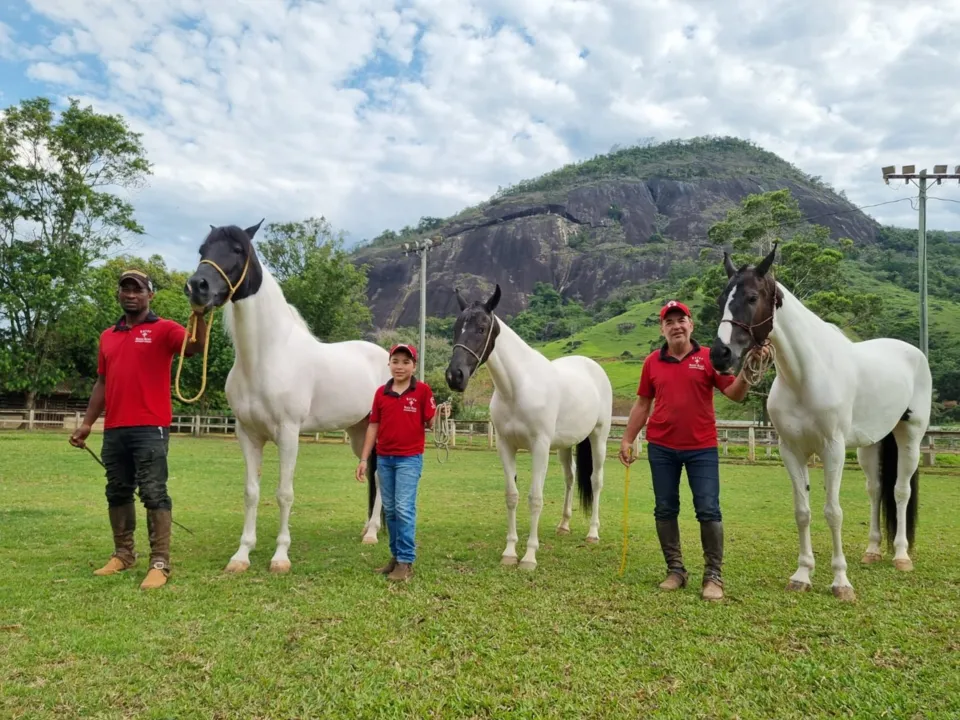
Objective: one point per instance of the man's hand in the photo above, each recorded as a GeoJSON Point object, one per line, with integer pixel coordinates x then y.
{"type": "Point", "coordinates": [80, 435]}
{"type": "Point", "coordinates": [362, 472]}
{"type": "Point", "coordinates": [626, 453]}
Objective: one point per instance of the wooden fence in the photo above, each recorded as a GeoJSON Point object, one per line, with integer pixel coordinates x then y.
{"type": "Point", "coordinates": [734, 436]}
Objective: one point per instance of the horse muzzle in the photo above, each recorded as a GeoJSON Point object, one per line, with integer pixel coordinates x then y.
{"type": "Point", "coordinates": [721, 356]}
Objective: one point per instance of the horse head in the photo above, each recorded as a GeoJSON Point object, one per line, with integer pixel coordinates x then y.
{"type": "Point", "coordinates": [746, 310]}
{"type": "Point", "coordinates": [228, 269]}
{"type": "Point", "coordinates": [474, 335]}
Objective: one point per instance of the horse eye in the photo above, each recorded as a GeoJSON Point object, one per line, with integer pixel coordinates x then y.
{"type": "Point", "coordinates": [752, 299]}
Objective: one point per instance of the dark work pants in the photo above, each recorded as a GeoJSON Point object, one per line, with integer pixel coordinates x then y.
{"type": "Point", "coordinates": [703, 474]}
{"type": "Point", "coordinates": [136, 460]}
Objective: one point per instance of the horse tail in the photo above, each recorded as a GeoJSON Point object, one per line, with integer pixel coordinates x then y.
{"type": "Point", "coordinates": [889, 455]}
{"type": "Point", "coordinates": [584, 471]}
{"type": "Point", "coordinates": [372, 483]}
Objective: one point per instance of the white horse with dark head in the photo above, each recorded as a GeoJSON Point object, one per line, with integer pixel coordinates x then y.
{"type": "Point", "coordinates": [540, 406]}
{"type": "Point", "coordinates": [284, 381]}
{"type": "Point", "coordinates": [831, 394]}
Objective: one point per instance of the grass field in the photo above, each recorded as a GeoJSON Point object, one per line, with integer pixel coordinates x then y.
{"type": "Point", "coordinates": [465, 638]}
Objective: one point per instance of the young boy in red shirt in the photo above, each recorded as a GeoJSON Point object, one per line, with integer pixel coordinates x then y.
{"type": "Point", "coordinates": [402, 411]}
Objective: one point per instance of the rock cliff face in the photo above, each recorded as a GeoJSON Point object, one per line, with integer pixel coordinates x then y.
{"type": "Point", "coordinates": [585, 241]}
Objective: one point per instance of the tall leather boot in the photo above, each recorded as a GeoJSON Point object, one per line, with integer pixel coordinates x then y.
{"type": "Point", "coordinates": [123, 521]}
{"type": "Point", "coordinates": [159, 523]}
{"type": "Point", "coordinates": [711, 537]}
{"type": "Point", "coordinates": [668, 531]}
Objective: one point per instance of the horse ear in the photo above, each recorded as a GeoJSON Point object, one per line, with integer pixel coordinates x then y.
{"type": "Point", "coordinates": [728, 265]}
{"type": "Point", "coordinates": [766, 263]}
{"type": "Point", "coordinates": [213, 227]}
{"type": "Point", "coordinates": [460, 301]}
{"type": "Point", "coordinates": [252, 230]}
{"type": "Point", "coordinates": [492, 303]}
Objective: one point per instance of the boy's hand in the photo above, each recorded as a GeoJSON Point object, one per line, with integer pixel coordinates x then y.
{"type": "Point", "coordinates": [362, 472]}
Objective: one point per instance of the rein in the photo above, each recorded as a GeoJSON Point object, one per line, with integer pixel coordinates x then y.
{"type": "Point", "coordinates": [441, 436]}
{"type": "Point", "coordinates": [192, 331]}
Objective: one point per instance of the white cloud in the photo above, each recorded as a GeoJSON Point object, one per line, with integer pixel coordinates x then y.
{"type": "Point", "coordinates": [374, 113]}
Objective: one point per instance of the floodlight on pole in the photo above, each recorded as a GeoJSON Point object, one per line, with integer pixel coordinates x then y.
{"type": "Point", "coordinates": [939, 169]}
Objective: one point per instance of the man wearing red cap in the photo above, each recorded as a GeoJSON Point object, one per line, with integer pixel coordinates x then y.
{"type": "Point", "coordinates": [133, 387]}
{"type": "Point", "coordinates": [402, 410]}
{"type": "Point", "coordinates": [678, 381]}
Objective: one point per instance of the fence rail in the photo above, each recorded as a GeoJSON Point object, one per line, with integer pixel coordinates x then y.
{"type": "Point", "coordinates": [732, 434]}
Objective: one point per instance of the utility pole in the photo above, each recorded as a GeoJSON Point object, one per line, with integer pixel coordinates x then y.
{"type": "Point", "coordinates": [939, 175]}
{"type": "Point", "coordinates": [421, 248]}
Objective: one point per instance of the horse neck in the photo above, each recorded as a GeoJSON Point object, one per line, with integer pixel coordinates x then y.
{"type": "Point", "coordinates": [802, 341]}
{"type": "Point", "coordinates": [511, 356]}
{"type": "Point", "coordinates": [258, 322]}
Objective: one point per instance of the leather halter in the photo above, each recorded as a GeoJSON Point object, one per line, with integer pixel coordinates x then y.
{"type": "Point", "coordinates": [484, 355]}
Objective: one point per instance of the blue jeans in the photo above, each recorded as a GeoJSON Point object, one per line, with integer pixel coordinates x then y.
{"type": "Point", "coordinates": [399, 477]}
{"type": "Point", "coordinates": [703, 474]}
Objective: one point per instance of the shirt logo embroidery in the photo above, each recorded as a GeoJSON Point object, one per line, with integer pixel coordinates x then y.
{"type": "Point", "coordinates": [144, 336]}
{"type": "Point", "coordinates": [411, 405]}
{"type": "Point", "coordinates": [696, 364]}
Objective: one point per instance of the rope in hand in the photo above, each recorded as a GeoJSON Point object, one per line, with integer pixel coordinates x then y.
{"type": "Point", "coordinates": [626, 510]}
{"type": "Point", "coordinates": [191, 333]}
{"type": "Point", "coordinates": [757, 362]}
{"type": "Point", "coordinates": [441, 434]}
{"type": "Point", "coordinates": [97, 458]}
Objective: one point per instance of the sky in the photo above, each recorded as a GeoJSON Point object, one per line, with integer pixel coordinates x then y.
{"type": "Point", "coordinates": [374, 113]}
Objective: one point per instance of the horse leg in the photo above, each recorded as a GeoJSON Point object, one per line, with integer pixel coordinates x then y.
{"type": "Point", "coordinates": [508, 458]}
{"type": "Point", "coordinates": [288, 442]}
{"type": "Point", "coordinates": [252, 448]}
{"type": "Point", "coordinates": [371, 527]}
{"type": "Point", "coordinates": [565, 456]}
{"type": "Point", "coordinates": [540, 454]}
{"type": "Point", "coordinates": [599, 452]}
{"type": "Point", "coordinates": [796, 464]}
{"type": "Point", "coordinates": [908, 437]}
{"type": "Point", "coordinates": [833, 457]}
{"type": "Point", "coordinates": [869, 459]}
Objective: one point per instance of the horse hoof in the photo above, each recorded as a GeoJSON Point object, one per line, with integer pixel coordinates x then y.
{"type": "Point", "coordinates": [236, 566]}
{"type": "Point", "coordinates": [593, 540]}
{"type": "Point", "coordinates": [508, 560]}
{"type": "Point", "coordinates": [871, 558]}
{"type": "Point", "coordinates": [528, 566]}
{"type": "Point", "coordinates": [369, 540]}
{"type": "Point", "coordinates": [906, 564]}
{"type": "Point", "coordinates": [279, 567]}
{"type": "Point", "coordinates": [563, 531]}
{"type": "Point", "coordinates": [797, 586]}
{"type": "Point", "coordinates": [844, 594]}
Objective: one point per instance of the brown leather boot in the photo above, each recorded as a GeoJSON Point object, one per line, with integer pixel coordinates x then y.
{"type": "Point", "coordinates": [711, 537]}
{"type": "Point", "coordinates": [123, 521]}
{"type": "Point", "coordinates": [401, 573]}
{"type": "Point", "coordinates": [388, 568]}
{"type": "Point", "coordinates": [159, 523]}
{"type": "Point", "coordinates": [668, 532]}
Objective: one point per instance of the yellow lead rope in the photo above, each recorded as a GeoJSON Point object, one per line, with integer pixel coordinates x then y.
{"type": "Point", "coordinates": [191, 333]}
{"type": "Point", "coordinates": [626, 509]}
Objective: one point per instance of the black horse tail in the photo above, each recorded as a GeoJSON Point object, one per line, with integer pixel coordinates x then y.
{"type": "Point", "coordinates": [584, 471]}
{"type": "Point", "coordinates": [888, 501]}
{"type": "Point", "coordinates": [372, 486]}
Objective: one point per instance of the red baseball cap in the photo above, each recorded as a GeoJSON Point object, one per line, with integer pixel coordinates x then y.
{"type": "Point", "coordinates": [407, 348]}
{"type": "Point", "coordinates": [674, 305]}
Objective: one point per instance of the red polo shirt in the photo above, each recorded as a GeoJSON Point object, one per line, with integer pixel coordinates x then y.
{"type": "Point", "coordinates": [402, 418]}
{"type": "Point", "coordinates": [135, 364]}
{"type": "Point", "coordinates": [683, 417]}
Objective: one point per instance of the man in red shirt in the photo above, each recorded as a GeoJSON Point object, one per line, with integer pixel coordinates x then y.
{"type": "Point", "coordinates": [133, 386]}
{"type": "Point", "coordinates": [402, 410]}
{"type": "Point", "coordinates": [682, 432]}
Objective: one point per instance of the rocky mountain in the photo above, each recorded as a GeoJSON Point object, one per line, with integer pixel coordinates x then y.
{"type": "Point", "coordinates": [589, 228]}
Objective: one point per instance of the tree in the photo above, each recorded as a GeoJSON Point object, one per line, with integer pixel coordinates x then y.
{"type": "Point", "coordinates": [58, 216]}
{"type": "Point", "coordinates": [318, 278]}
{"type": "Point", "coordinates": [550, 316]}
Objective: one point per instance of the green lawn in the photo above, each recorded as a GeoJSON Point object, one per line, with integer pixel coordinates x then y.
{"type": "Point", "coordinates": [466, 638]}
